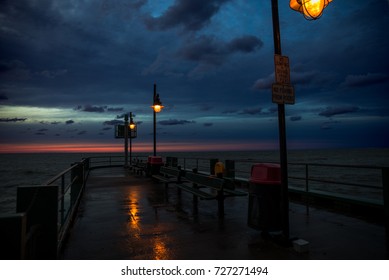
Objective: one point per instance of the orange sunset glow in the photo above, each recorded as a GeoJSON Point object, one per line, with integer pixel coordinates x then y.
{"type": "Point", "coordinates": [117, 148]}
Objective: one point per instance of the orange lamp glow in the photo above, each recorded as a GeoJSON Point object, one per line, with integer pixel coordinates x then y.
{"type": "Point", "coordinates": [157, 108]}
{"type": "Point", "coordinates": [311, 9]}
{"type": "Point", "coordinates": [132, 126]}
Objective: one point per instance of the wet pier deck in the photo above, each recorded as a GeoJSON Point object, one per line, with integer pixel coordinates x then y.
{"type": "Point", "coordinates": [125, 216]}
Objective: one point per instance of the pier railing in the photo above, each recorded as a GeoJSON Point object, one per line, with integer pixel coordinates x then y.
{"type": "Point", "coordinates": [358, 182]}
{"type": "Point", "coordinates": [362, 188]}
{"type": "Point", "coordinates": [45, 213]}
{"type": "Point", "coordinates": [110, 161]}
{"type": "Point", "coordinates": [70, 184]}
{"type": "Point", "coordinates": [362, 183]}
{"type": "Point", "coordinates": [357, 189]}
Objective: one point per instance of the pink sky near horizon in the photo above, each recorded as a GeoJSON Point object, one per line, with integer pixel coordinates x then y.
{"type": "Point", "coordinates": [113, 148]}
{"type": "Point", "coordinates": [99, 147]}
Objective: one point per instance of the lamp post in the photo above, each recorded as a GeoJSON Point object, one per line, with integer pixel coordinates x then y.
{"type": "Point", "coordinates": [282, 133]}
{"type": "Point", "coordinates": [157, 107]}
{"type": "Point", "coordinates": [312, 9]}
{"type": "Point", "coordinates": [126, 140]}
{"type": "Point", "coordinates": [132, 127]}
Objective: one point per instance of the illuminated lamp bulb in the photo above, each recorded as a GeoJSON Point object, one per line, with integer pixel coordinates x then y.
{"type": "Point", "coordinates": [157, 108]}
{"type": "Point", "coordinates": [311, 9]}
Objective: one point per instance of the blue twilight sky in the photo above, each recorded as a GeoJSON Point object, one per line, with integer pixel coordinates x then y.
{"type": "Point", "coordinates": [69, 70]}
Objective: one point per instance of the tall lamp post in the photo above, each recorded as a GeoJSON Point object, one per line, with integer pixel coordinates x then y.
{"type": "Point", "coordinates": [132, 127]}
{"type": "Point", "coordinates": [312, 9]}
{"type": "Point", "coordinates": [128, 127]}
{"type": "Point", "coordinates": [126, 140]}
{"type": "Point", "coordinates": [157, 107]}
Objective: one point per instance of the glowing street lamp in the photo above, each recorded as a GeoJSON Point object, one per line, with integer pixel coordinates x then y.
{"type": "Point", "coordinates": [132, 124]}
{"type": "Point", "coordinates": [157, 107]}
{"type": "Point", "coordinates": [126, 141]}
{"type": "Point", "coordinates": [128, 127]}
{"type": "Point", "coordinates": [311, 9]}
{"type": "Point", "coordinates": [132, 127]}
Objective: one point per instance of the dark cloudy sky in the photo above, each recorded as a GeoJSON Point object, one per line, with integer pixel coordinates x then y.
{"type": "Point", "coordinates": [70, 69]}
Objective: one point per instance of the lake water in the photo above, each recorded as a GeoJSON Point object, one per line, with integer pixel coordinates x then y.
{"type": "Point", "coordinates": [36, 169]}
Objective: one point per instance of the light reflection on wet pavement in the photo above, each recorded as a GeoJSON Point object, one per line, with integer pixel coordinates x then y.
{"type": "Point", "coordinates": [132, 217]}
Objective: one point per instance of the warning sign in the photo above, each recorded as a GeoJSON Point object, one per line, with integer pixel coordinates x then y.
{"type": "Point", "coordinates": [282, 94]}
{"type": "Point", "coordinates": [282, 69]}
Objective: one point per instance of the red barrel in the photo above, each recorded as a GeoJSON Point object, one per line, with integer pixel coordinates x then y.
{"type": "Point", "coordinates": [265, 173]}
{"type": "Point", "coordinates": [154, 163]}
{"type": "Point", "coordinates": [265, 197]}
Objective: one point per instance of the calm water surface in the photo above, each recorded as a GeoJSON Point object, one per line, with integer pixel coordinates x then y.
{"type": "Point", "coordinates": [35, 169]}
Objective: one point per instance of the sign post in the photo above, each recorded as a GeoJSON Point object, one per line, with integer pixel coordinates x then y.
{"type": "Point", "coordinates": [282, 75]}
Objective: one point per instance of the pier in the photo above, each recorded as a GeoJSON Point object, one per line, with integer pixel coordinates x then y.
{"type": "Point", "coordinates": [106, 211]}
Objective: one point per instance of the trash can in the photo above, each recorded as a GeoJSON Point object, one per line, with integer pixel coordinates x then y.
{"type": "Point", "coordinates": [264, 212]}
{"type": "Point", "coordinates": [154, 163]}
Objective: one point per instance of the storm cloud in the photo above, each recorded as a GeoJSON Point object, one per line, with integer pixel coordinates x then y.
{"type": "Point", "coordinates": [332, 111]}
{"type": "Point", "coordinates": [175, 122]}
{"type": "Point", "coordinates": [210, 50]}
{"type": "Point", "coordinates": [365, 80]}
{"type": "Point", "coordinates": [97, 109]}
{"type": "Point", "coordinates": [12, 119]}
{"type": "Point", "coordinates": [188, 14]}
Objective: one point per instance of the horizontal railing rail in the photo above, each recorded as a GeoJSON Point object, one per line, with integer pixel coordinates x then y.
{"type": "Point", "coordinates": [357, 181]}
{"type": "Point", "coordinates": [335, 179]}
{"type": "Point", "coordinates": [110, 161]}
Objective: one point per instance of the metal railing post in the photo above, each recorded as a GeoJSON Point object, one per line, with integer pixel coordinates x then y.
{"type": "Point", "coordinates": [62, 210]}
{"type": "Point", "coordinates": [77, 179]}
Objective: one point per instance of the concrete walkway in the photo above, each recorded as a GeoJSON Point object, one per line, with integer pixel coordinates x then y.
{"type": "Point", "coordinates": [123, 216]}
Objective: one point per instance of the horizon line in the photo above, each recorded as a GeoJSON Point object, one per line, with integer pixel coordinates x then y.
{"type": "Point", "coordinates": [166, 147]}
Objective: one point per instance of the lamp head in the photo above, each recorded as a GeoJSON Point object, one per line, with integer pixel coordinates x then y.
{"type": "Point", "coordinates": [157, 106]}
{"type": "Point", "coordinates": [311, 9]}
